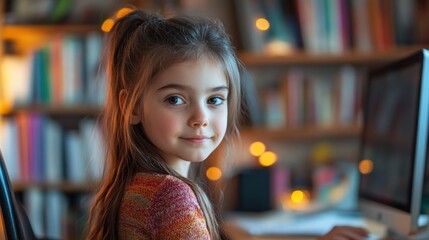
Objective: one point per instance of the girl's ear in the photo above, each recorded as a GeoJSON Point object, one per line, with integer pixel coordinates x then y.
{"type": "Point", "coordinates": [134, 119]}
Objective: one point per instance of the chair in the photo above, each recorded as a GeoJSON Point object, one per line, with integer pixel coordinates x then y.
{"type": "Point", "coordinates": [16, 223]}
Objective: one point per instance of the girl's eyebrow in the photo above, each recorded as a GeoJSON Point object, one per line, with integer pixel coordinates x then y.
{"type": "Point", "coordinates": [183, 87]}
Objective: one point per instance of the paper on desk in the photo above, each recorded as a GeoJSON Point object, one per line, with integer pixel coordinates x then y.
{"type": "Point", "coordinates": [281, 223]}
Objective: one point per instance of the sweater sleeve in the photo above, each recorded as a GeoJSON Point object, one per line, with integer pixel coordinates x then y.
{"type": "Point", "coordinates": [176, 212]}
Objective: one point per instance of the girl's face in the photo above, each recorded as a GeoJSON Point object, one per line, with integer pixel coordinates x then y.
{"type": "Point", "coordinates": [185, 111]}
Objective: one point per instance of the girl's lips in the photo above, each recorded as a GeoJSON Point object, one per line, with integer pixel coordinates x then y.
{"type": "Point", "coordinates": [196, 139]}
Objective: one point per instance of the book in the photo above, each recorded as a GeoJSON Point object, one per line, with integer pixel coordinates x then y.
{"type": "Point", "coordinates": [53, 150]}
{"type": "Point", "coordinates": [94, 76]}
{"type": "Point", "coordinates": [280, 38]}
{"type": "Point", "coordinates": [348, 91]}
{"type": "Point", "coordinates": [306, 17]}
{"type": "Point", "coordinates": [9, 147]}
{"type": "Point", "coordinates": [252, 38]}
{"type": "Point", "coordinates": [56, 208]}
{"type": "Point", "coordinates": [15, 84]}
{"type": "Point", "coordinates": [34, 204]}
{"type": "Point", "coordinates": [362, 35]}
{"type": "Point", "coordinates": [292, 86]}
{"type": "Point", "coordinates": [324, 102]}
{"type": "Point", "coordinates": [56, 68]}
{"type": "Point", "coordinates": [23, 146]}
{"type": "Point", "coordinates": [404, 21]}
{"type": "Point", "coordinates": [93, 148]}
{"type": "Point", "coordinates": [422, 18]}
{"type": "Point", "coordinates": [72, 79]}
{"type": "Point", "coordinates": [75, 162]}
{"type": "Point", "coordinates": [251, 103]}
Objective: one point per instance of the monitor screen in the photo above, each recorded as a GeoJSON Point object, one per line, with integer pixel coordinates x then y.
{"type": "Point", "coordinates": [394, 140]}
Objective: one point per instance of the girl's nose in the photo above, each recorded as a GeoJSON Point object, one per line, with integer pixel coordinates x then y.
{"type": "Point", "coordinates": [199, 118]}
{"type": "Point", "coordinates": [200, 124]}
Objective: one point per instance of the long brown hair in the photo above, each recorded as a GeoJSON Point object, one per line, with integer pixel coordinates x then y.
{"type": "Point", "coordinates": [140, 46]}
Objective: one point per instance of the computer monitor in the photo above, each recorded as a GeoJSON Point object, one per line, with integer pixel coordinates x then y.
{"type": "Point", "coordinates": [394, 142]}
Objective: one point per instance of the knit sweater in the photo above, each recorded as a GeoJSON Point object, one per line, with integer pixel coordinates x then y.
{"type": "Point", "coordinates": [157, 206]}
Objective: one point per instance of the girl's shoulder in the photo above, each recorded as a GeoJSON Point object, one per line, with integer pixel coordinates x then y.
{"type": "Point", "coordinates": [167, 208]}
{"type": "Point", "coordinates": [157, 183]}
{"type": "Point", "coordinates": [155, 178]}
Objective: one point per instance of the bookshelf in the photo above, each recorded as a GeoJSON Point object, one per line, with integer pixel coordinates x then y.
{"type": "Point", "coordinates": [328, 47]}
{"type": "Point", "coordinates": [51, 96]}
{"type": "Point", "coordinates": [27, 37]}
{"type": "Point", "coordinates": [302, 134]}
{"type": "Point", "coordinates": [77, 110]}
{"type": "Point", "coordinates": [66, 187]}
{"type": "Point", "coordinates": [259, 63]}
{"type": "Point", "coordinates": [318, 39]}
{"type": "Point", "coordinates": [259, 60]}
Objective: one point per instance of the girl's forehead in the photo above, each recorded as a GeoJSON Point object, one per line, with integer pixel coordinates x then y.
{"type": "Point", "coordinates": [192, 72]}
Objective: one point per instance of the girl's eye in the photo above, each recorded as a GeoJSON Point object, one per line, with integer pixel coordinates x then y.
{"type": "Point", "coordinates": [174, 100]}
{"type": "Point", "coordinates": [215, 100]}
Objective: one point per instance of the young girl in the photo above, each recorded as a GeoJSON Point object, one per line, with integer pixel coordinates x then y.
{"type": "Point", "coordinates": [174, 95]}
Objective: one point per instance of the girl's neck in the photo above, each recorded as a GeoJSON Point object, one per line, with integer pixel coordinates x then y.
{"type": "Point", "coordinates": [181, 167]}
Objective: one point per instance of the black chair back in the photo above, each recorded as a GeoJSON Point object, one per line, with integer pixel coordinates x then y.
{"type": "Point", "coordinates": [16, 223]}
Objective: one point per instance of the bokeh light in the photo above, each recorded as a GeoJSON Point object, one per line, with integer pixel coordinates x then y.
{"type": "Point", "coordinates": [122, 12]}
{"type": "Point", "coordinates": [267, 159]}
{"type": "Point", "coordinates": [296, 200]}
{"type": "Point", "coordinates": [297, 196]}
{"type": "Point", "coordinates": [257, 148]}
{"type": "Point", "coordinates": [366, 166]}
{"type": "Point", "coordinates": [213, 173]}
{"type": "Point", "coordinates": [262, 24]}
{"type": "Point", "coordinates": [107, 25]}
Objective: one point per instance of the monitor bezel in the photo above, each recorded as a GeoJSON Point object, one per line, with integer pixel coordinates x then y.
{"type": "Point", "coordinates": [403, 220]}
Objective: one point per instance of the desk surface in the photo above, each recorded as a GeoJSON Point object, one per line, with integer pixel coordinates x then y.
{"type": "Point", "coordinates": [236, 233]}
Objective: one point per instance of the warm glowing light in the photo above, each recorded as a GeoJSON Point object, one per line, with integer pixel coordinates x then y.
{"type": "Point", "coordinates": [366, 166]}
{"type": "Point", "coordinates": [5, 107]}
{"type": "Point", "coordinates": [107, 25]}
{"type": "Point", "coordinates": [267, 159]}
{"type": "Point", "coordinates": [297, 200]}
{"type": "Point", "coordinates": [257, 149]}
{"type": "Point", "coordinates": [297, 196]}
{"type": "Point", "coordinates": [213, 173]}
{"type": "Point", "coordinates": [122, 12]}
{"type": "Point", "coordinates": [278, 48]}
{"type": "Point", "coordinates": [262, 24]}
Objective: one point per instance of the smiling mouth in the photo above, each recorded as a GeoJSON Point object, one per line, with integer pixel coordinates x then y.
{"type": "Point", "coordinates": [196, 139]}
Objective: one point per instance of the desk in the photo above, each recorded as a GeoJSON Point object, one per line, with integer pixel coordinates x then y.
{"type": "Point", "coordinates": [237, 234]}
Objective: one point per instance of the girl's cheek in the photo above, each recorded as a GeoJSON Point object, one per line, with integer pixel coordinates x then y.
{"type": "Point", "coordinates": [169, 123]}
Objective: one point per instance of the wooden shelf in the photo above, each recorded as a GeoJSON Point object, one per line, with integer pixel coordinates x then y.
{"type": "Point", "coordinates": [27, 37]}
{"type": "Point", "coordinates": [76, 110]}
{"type": "Point", "coordinates": [67, 187]}
{"type": "Point", "coordinates": [301, 134]}
{"type": "Point", "coordinates": [20, 32]}
{"type": "Point", "coordinates": [302, 58]}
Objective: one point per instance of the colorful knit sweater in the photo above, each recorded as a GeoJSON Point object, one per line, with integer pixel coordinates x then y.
{"type": "Point", "coordinates": [157, 206]}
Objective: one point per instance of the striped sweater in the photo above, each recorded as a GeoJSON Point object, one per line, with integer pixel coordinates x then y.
{"type": "Point", "coordinates": [157, 206]}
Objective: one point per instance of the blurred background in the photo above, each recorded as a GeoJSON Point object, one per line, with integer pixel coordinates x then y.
{"type": "Point", "coordinates": [307, 62]}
